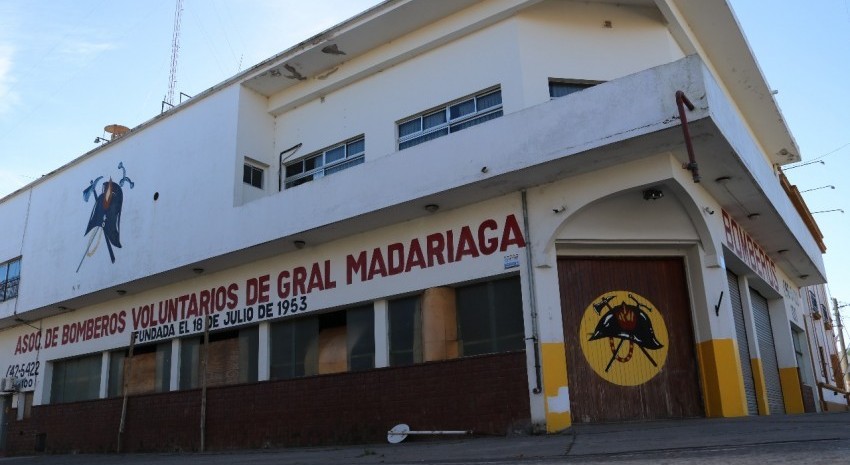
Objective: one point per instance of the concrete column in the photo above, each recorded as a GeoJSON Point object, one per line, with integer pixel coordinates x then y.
{"type": "Point", "coordinates": [104, 375]}
{"type": "Point", "coordinates": [263, 352]}
{"type": "Point", "coordinates": [174, 376]}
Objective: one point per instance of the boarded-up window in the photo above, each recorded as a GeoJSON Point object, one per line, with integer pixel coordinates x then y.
{"type": "Point", "coordinates": [148, 371]}
{"type": "Point", "coordinates": [232, 358]}
{"type": "Point", "coordinates": [489, 317]}
{"type": "Point", "coordinates": [329, 343]}
{"type": "Point", "coordinates": [76, 379]}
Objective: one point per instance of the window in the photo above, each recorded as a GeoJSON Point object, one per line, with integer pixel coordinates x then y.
{"type": "Point", "coordinates": [489, 317]}
{"type": "Point", "coordinates": [293, 348]}
{"type": "Point", "coordinates": [76, 379]}
{"type": "Point", "coordinates": [329, 343]}
{"type": "Point", "coordinates": [405, 327]}
{"type": "Point", "coordinates": [813, 302]}
{"type": "Point", "coordinates": [149, 370]}
{"type": "Point", "coordinates": [233, 358]}
{"type": "Point", "coordinates": [450, 118]}
{"type": "Point", "coordinates": [826, 316]}
{"type": "Point", "coordinates": [445, 322]}
{"type": "Point", "coordinates": [562, 88]}
{"type": "Point", "coordinates": [325, 162]}
{"type": "Point", "coordinates": [253, 175]}
{"type": "Point", "coordinates": [10, 276]}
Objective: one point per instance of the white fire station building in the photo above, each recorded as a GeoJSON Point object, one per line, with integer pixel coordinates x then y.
{"type": "Point", "coordinates": [488, 215]}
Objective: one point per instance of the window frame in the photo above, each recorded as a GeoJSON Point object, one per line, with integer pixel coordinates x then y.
{"type": "Point", "coordinates": [69, 377]}
{"type": "Point", "coordinates": [7, 282]}
{"type": "Point", "coordinates": [326, 168]}
{"type": "Point", "coordinates": [498, 338]}
{"type": "Point", "coordinates": [583, 84]}
{"type": "Point", "coordinates": [450, 125]}
{"type": "Point", "coordinates": [257, 172]}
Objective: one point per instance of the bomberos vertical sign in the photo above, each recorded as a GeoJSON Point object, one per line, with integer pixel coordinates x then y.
{"type": "Point", "coordinates": [749, 251]}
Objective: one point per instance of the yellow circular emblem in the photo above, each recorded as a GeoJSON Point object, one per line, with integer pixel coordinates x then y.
{"type": "Point", "coordinates": [624, 338]}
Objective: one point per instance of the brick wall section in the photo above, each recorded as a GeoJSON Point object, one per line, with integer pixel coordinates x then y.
{"type": "Point", "coordinates": [486, 394]}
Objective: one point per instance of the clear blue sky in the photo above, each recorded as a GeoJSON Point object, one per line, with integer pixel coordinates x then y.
{"type": "Point", "coordinates": [68, 68]}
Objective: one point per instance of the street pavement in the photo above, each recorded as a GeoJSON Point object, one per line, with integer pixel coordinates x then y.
{"type": "Point", "coordinates": [780, 439]}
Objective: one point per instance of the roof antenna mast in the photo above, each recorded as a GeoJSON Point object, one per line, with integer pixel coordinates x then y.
{"type": "Point", "coordinates": [175, 49]}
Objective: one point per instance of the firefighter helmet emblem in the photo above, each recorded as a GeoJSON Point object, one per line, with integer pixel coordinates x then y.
{"type": "Point", "coordinates": [623, 337]}
{"type": "Point", "coordinates": [105, 220]}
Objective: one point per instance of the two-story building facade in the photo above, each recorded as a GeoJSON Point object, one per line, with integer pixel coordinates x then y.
{"type": "Point", "coordinates": [480, 215]}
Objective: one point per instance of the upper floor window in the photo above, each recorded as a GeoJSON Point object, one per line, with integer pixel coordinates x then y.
{"type": "Point", "coordinates": [253, 175]}
{"type": "Point", "coordinates": [10, 276]}
{"type": "Point", "coordinates": [558, 88]}
{"type": "Point", "coordinates": [325, 162]}
{"type": "Point", "coordinates": [450, 118]}
{"type": "Point", "coordinates": [813, 302]}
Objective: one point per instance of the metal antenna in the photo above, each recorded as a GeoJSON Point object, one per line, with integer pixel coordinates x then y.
{"type": "Point", "coordinates": [175, 50]}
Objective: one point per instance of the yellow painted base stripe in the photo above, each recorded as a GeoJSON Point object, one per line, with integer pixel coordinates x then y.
{"type": "Point", "coordinates": [721, 379]}
{"type": "Point", "coordinates": [554, 364]}
{"type": "Point", "coordinates": [761, 387]}
{"type": "Point", "coordinates": [791, 392]}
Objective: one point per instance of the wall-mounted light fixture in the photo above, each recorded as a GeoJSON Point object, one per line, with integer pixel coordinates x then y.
{"type": "Point", "coordinates": [299, 244]}
{"type": "Point", "coordinates": [120, 291]}
{"type": "Point", "coordinates": [652, 194]}
{"type": "Point", "coordinates": [432, 207]}
{"type": "Point", "coordinates": [198, 270]}
{"type": "Point", "coordinates": [754, 216]}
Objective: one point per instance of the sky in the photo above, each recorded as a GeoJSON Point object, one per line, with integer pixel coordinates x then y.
{"type": "Point", "coordinates": [69, 68]}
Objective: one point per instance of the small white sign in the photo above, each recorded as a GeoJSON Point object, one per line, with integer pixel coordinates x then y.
{"type": "Point", "coordinates": [512, 261]}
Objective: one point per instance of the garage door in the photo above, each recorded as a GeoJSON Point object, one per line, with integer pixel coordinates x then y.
{"type": "Point", "coordinates": [743, 346]}
{"type": "Point", "coordinates": [767, 350]}
{"type": "Point", "coordinates": [629, 339]}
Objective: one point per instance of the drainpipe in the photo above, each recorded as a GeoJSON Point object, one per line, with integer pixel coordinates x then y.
{"type": "Point", "coordinates": [532, 300]}
{"type": "Point", "coordinates": [691, 165]}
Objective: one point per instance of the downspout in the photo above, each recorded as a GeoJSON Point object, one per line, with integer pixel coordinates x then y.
{"type": "Point", "coordinates": [532, 300]}
{"type": "Point", "coordinates": [691, 165]}
{"type": "Point", "coordinates": [280, 161]}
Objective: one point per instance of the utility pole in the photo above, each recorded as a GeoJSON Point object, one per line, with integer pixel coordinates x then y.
{"type": "Point", "coordinates": [843, 358]}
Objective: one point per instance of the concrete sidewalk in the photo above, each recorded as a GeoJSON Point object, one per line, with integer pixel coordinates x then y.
{"type": "Point", "coordinates": [583, 443]}
{"type": "Point", "coordinates": [607, 440]}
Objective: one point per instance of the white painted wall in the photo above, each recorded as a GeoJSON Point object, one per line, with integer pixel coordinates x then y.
{"type": "Point", "coordinates": [568, 40]}
{"type": "Point", "coordinates": [520, 54]}
{"type": "Point", "coordinates": [467, 269]}
{"type": "Point", "coordinates": [187, 159]}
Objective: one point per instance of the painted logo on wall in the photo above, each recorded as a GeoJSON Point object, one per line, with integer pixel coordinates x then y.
{"type": "Point", "coordinates": [624, 338]}
{"type": "Point", "coordinates": [105, 220]}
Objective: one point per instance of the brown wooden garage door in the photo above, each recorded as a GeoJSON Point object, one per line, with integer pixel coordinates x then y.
{"type": "Point", "coordinates": [629, 339]}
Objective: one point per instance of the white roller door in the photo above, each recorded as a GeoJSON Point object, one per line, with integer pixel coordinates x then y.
{"type": "Point", "coordinates": [767, 350]}
{"type": "Point", "coordinates": [743, 346]}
